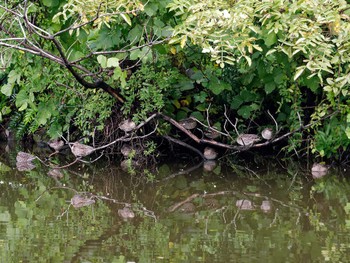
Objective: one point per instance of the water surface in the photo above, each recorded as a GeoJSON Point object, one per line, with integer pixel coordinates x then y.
{"type": "Point", "coordinates": [229, 214]}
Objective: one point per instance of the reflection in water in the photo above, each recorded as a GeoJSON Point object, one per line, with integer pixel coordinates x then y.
{"type": "Point", "coordinates": [126, 213]}
{"type": "Point", "coordinates": [202, 215]}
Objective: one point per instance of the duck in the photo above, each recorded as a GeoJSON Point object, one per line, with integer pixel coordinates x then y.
{"type": "Point", "coordinates": [81, 150]}
{"type": "Point", "coordinates": [210, 153]}
{"type": "Point", "coordinates": [127, 125]}
{"type": "Point", "coordinates": [211, 133]}
{"type": "Point", "coordinates": [319, 170]}
{"type": "Point", "coordinates": [56, 144]}
{"type": "Point", "coordinates": [80, 200]}
{"type": "Point", "coordinates": [319, 167]}
{"type": "Point", "coordinates": [247, 139]}
{"type": "Point", "coordinates": [126, 213]}
{"type": "Point", "coordinates": [188, 123]}
{"type": "Point", "coordinates": [267, 133]}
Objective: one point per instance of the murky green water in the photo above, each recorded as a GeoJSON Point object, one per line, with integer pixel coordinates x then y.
{"type": "Point", "coordinates": [259, 215]}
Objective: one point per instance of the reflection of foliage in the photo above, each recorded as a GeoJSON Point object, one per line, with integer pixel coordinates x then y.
{"type": "Point", "coordinates": [304, 226]}
{"type": "Point", "coordinates": [34, 223]}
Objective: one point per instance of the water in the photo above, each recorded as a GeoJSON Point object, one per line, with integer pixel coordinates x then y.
{"type": "Point", "coordinates": [265, 214]}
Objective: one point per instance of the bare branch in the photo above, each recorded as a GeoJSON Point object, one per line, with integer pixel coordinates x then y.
{"type": "Point", "coordinates": [274, 120]}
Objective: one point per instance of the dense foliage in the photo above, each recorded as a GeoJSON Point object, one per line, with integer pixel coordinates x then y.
{"type": "Point", "coordinates": [218, 61]}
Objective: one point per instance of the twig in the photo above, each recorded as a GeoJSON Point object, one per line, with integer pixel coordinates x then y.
{"type": "Point", "coordinates": [185, 145]}
{"type": "Point", "coordinates": [177, 205]}
{"type": "Point", "coordinates": [186, 171]}
{"type": "Point", "coordinates": [274, 120]}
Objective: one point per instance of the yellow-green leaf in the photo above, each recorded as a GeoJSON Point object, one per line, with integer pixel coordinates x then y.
{"type": "Point", "coordinates": [126, 19]}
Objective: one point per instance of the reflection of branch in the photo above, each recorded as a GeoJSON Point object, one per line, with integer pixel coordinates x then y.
{"type": "Point", "coordinates": [177, 205]}
{"type": "Point", "coordinates": [184, 145]}
{"type": "Point", "coordinates": [186, 171]}
{"type": "Point", "coordinates": [99, 197]}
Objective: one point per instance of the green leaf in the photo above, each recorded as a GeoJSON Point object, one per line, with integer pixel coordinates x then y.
{"type": "Point", "coordinates": [201, 97]}
{"type": "Point", "coordinates": [119, 74]}
{"type": "Point", "coordinates": [270, 39]}
{"type": "Point", "coordinates": [44, 112]}
{"type": "Point", "coordinates": [50, 3]}
{"type": "Point", "coordinates": [76, 55]}
{"type": "Point", "coordinates": [102, 60]}
{"type": "Point", "coordinates": [135, 54]}
{"type": "Point", "coordinates": [4, 168]}
{"type": "Point", "coordinates": [181, 115]}
{"type": "Point", "coordinates": [7, 89]}
{"type": "Point", "coordinates": [236, 102]}
{"type": "Point", "coordinates": [23, 107]}
{"type": "Point", "coordinates": [198, 115]}
{"type": "Point", "coordinates": [135, 34]}
{"type": "Point", "coordinates": [270, 87]}
{"type": "Point", "coordinates": [13, 77]}
{"type": "Point", "coordinates": [112, 62]}
{"type": "Point", "coordinates": [216, 86]}
{"type": "Point", "coordinates": [278, 76]}
{"type": "Point", "coordinates": [126, 18]}
{"type": "Point", "coordinates": [248, 95]}
{"type": "Point", "coordinates": [347, 132]}
{"type": "Point", "coordinates": [245, 111]}
{"type": "Point", "coordinates": [151, 9]}
{"type": "Point", "coordinates": [299, 72]}
{"type": "Point", "coordinates": [22, 99]}
{"type": "Point", "coordinates": [184, 85]}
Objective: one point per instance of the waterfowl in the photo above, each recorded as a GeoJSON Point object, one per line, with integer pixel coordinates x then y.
{"type": "Point", "coordinates": [23, 157]}
{"type": "Point", "coordinates": [127, 125]}
{"type": "Point", "coordinates": [266, 206]}
{"type": "Point", "coordinates": [211, 134]}
{"type": "Point", "coordinates": [245, 204]}
{"type": "Point", "coordinates": [188, 123]}
{"type": "Point", "coordinates": [319, 167]}
{"type": "Point", "coordinates": [81, 200]}
{"type": "Point", "coordinates": [126, 213]}
{"type": "Point", "coordinates": [267, 133]}
{"type": "Point", "coordinates": [81, 150]}
{"type": "Point", "coordinates": [210, 153]}
{"type": "Point", "coordinates": [319, 170]}
{"type": "Point", "coordinates": [56, 144]}
{"type": "Point", "coordinates": [247, 139]}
